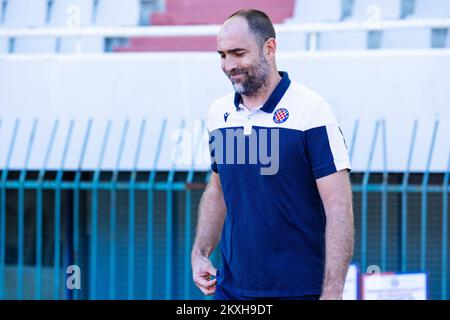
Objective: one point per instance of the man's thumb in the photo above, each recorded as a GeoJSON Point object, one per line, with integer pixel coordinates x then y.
{"type": "Point", "coordinates": [211, 270]}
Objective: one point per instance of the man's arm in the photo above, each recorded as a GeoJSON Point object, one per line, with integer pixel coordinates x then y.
{"type": "Point", "coordinates": [336, 193]}
{"type": "Point", "coordinates": [212, 213]}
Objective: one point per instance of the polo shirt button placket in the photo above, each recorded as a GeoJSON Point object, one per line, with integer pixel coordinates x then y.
{"type": "Point", "coordinates": [248, 126]}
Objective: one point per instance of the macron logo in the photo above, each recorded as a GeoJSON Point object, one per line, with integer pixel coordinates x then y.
{"type": "Point", "coordinates": [225, 116]}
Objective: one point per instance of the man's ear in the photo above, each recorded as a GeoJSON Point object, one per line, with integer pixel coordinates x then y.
{"type": "Point", "coordinates": [270, 47]}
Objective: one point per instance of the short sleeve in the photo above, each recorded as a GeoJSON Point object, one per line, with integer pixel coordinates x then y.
{"type": "Point", "coordinates": [325, 144]}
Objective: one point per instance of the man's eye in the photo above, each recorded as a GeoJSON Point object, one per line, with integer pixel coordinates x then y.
{"type": "Point", "coordinates": [239, 54]}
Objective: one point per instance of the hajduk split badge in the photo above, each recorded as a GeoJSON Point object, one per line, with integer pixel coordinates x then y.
{"type": "Point", "coordinates": [280, 116]}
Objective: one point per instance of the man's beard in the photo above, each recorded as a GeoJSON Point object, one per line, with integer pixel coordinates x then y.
{"type": "Point", "coordinates": [256, 78]}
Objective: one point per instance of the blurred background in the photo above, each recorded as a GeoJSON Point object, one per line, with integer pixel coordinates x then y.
{"type": "Point", "coordinates": [103, 151]}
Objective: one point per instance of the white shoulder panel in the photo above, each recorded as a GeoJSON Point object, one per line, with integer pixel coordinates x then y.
{"type": "Point", "coordinates": [217, 110]}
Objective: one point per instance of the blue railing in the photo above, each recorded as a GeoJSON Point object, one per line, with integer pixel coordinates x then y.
{"type": "Point", "coordinates": [149, 232]}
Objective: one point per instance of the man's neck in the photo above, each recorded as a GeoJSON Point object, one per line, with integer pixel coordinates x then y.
{"type": "Point", "coordinates": [263, 95]}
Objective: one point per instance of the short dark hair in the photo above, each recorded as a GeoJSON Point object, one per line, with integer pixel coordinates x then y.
{"type": "Point", "coordinates": [259, 24]}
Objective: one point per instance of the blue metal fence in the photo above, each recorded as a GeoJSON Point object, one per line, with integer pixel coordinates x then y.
{"type": "Point", "coordinates": [133, 234]}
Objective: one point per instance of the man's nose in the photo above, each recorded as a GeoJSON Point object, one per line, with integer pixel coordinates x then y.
{"type": "Point", "coordinates": [229, 63]}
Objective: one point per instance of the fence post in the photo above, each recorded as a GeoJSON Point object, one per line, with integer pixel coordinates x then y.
{"type": "Point", "coordinates": [21, 216]}
{"type": "Point", "coordinates": [364, 200]}
{"type": "Point", "coordinates": [169, 222]}
{"type": "Point", "coordinates": [3, 208]}
{"type": "Point", "coordinates": [57, 227]}
{"type": "Point", "coordinates": [131, 222]}
{"type": "Point", "coordinates": [424, 212]}
{"type": "Point", "coordinates": [445, 190]}
{"type": "Point", "coordinates": [404, 227]}
{"type": "Point", "coordinates": [150, 211]}
{"type": "Point", "coordinates": [113, 212]}
{"type": "Point", "coordinates": [384, 200]}
{"type": "Point", "coordinates": [75, 219]}
{"type": "Point", "coordinates": [94, 201]}
{"type": "Point", "coordinates": [39, 214]}
{"type": "Point", "coordinates": [188, 214]}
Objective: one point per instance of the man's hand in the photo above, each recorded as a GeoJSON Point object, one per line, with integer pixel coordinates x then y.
{"type": "Point", "coordinates": [212, 213]}
{"type": "Point", "coordinates": [202, 270]}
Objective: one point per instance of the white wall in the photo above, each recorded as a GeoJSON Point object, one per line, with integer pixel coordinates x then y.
{"type": "Point", "coordinates": [399, 86]}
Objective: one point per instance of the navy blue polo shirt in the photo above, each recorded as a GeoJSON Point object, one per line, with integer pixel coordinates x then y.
{"type": "Point", "coordinates": [268, 160]}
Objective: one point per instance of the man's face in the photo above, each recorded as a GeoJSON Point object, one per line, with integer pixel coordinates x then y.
{"type": "Point", "coordinates": [242, 58]}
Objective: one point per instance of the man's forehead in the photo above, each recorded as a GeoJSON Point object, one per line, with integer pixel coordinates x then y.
{"type": "Point", "coordinates": [234, 32]}
{"type": "Point", "coordinates": [234, 23]}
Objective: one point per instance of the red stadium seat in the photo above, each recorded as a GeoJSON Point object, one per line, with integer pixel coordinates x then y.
{"type": "Point", "coordinates": [170, 44]}
{"type": "Point", "coordinates": [201, 12]}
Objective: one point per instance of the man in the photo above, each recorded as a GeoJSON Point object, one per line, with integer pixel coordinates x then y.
{"type": "Point", "coordinates": [286, 227]}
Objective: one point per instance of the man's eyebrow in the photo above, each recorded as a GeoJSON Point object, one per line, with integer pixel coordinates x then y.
{"type": "Point", "coordinates": [231, 50]}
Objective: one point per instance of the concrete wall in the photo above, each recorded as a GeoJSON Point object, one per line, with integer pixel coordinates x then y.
{"type": "Point", "coordinates": [398, 86]}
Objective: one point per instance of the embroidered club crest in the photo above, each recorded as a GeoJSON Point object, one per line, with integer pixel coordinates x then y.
{"type": "Point", "coordinates": [280, 116]}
